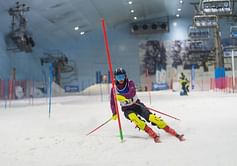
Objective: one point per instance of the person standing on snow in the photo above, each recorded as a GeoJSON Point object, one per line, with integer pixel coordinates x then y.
{"type": "Point", "coordinates": [184, 84]}
{"type": "Point", "coordinates": [134, 109]}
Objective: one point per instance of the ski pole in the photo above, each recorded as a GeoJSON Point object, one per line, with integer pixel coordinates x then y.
{"type": "Point", "coordinates": [152, 109]}
{"type": "Point", "coordinates": [100, 126]}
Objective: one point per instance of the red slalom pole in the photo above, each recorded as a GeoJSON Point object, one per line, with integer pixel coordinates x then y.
{"type": "Point", "coordinates": [99, 126]}
{"type": "Point", "coordinates": [111, 76]}
{"type": "Point", "coordinates": [162, 113]}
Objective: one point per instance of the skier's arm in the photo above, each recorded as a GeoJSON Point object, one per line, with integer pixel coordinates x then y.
{"type": "Point", "coordinates": [112, 104]}
{"type": "Point", "coordinates": [132, 90]}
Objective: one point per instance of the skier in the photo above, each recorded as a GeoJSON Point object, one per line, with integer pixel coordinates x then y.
{"type": "Point", "coordinates": [187, 84]}
{"type": "Point", "coordinates": [184, 85]}
{"type": "Point", "coordinates": [134, 109]}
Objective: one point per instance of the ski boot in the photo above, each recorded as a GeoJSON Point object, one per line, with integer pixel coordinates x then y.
{"type": "Point", "coordinates": [152, 134]}
{"type": "Point", "coordinates": [174, 133]}
{"type": "Point", "coordinates": [157, 139]}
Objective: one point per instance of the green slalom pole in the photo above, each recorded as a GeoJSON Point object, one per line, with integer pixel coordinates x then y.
{"type": "Point", "coordinates": [111, 76]}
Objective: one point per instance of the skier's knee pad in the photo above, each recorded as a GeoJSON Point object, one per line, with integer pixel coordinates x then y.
{"type": "Point", "coordinates": [139, 123]}
{"type": "Point", "coordinates": [157, 121]}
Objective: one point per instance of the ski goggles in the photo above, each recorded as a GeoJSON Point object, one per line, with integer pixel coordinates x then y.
{"type": "Point", "coordinates": [120, 77]}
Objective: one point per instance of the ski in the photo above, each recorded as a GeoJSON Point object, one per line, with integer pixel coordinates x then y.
{"type": "Point", "coordinates": [180, 137]}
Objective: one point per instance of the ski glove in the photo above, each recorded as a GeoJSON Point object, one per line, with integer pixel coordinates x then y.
{"type": "Point", "coordinates": [121, 98]}
{"type": "Point", "coordinates": [114, 116]}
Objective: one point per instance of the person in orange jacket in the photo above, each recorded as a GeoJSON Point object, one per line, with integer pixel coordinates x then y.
{"type": "Point", "coordinates": [134, 109]}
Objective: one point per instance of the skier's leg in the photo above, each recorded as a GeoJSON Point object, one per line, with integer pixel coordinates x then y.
{"type": "Point", "coordinates": [142, 125]}
{"type": "Point", "coordinates": [187, 88]}
{"type": "Point", "coordinates": [138, 122]}
{"type": "Point", "coordinates": [184, 89]}
{"type": "Point", "coordinates": [170, 130]}
{"type": "Point", "coordinates": [146, 114]}
{"type": "Point", "coordinates": [155, 120]}
{"type": "Point", "coordinates": [162, 125]}
{"type": "Point", "coordinates": [174, 133]}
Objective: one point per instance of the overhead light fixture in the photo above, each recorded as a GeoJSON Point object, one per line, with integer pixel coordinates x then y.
{"type": "Point", "coordinates": [129, 2]}
{"type": "Point", "coordinates": [179, 9]}
{"type": "Point", "coordinates": [76, 28]}
{"type": "Point", "coordinates": [132, 11]}
{"type": "Point", "coordinates": [149, 26]}
{"type": "Point", "coordinates": [177, 15]}
{"type": "Point", "coordinates": [135, 27]}
{"type": "Point", "coordinates": [154, 26]}
{"type": "Point", "coordinates": [181, 1]}
{"type": "Point", "coordinates": [135, 18]}
{"type": "Point", "coordinates": [145, 27]}
{"type": "Point", "coordinates": [82, 33]}
{"type": "Point", "coordinates": [163, 26]}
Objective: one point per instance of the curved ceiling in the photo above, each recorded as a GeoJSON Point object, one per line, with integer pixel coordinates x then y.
{"type": "Point", "coordinates": [58, 15]}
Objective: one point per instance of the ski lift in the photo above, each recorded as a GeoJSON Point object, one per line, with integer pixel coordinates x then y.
{"type": "Point", "coordinates": [197, 45]}
{"type": "Point", "coordinates": [227, 50]}
{"type": "Point", "coordinates": [233, 32]}
{"type": "Point", "coordinates": [217, 7]}
{"type": "Point", "coordinates": [21, 38]}
{"type": "Point", "coordinates": [54, 56]}
{"type": "Point", "coordinates": [198, 33]}
{"type": "Point", "coordinates": [205, 21]}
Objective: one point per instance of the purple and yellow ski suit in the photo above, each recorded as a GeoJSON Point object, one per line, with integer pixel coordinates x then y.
{"type": "Point", "coordinates": [133, 108]}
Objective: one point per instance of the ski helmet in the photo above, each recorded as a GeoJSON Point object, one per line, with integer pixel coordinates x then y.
{"type": "Point", "coordinates": [120, 74]}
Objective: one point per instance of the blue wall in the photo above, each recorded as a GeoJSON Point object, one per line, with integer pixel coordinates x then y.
{"type": "Point", "coordinates": [88, 51]}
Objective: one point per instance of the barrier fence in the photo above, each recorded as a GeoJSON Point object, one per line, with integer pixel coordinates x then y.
{"type": "Point", "coordinates": [226, 84]}
{"type": "Point", "coordinates": [19, 89]}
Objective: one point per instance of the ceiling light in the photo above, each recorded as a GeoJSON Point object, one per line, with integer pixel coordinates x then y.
{"type": "Point", "coordinates": [177, 15]}
{"type": "Point", "coordinates": [76, 28]}
{"type": "Point", "coordinates": [135, 18]}
{"type": "Point", "coordinates": [82, 33]}
{"type": "Point", "coordinates": [179, 9]}
{"type": "Point", "coordinates": [132, 11]}
{"type": "Point", "coordinates": [129, 2]}
{"type": "Point", "coordinates": [181, 1]}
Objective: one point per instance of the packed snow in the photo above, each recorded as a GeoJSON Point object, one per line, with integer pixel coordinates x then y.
{"type": "Point", "coordinates": [29, 137]}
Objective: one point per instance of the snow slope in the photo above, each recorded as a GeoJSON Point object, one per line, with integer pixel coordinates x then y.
{"type": "Point", "coordinates": [29, 138]}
